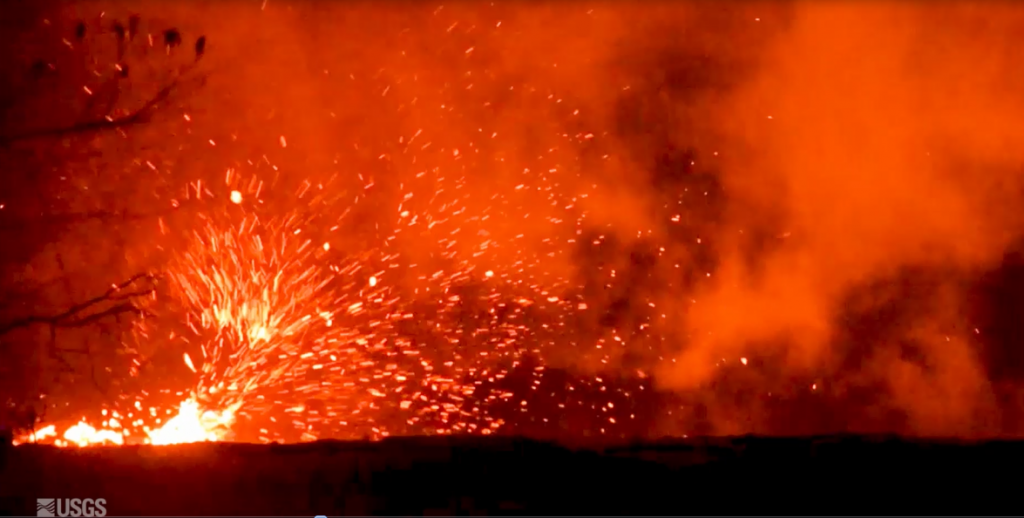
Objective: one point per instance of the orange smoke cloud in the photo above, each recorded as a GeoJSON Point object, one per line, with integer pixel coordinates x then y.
{"type": "Point", "coordinates": [855, 165]}
{"type": "Point", "coordinates": [881, 137]}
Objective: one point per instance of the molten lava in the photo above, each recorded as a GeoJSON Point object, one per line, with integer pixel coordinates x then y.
{"type": "Point", "coordinates": [191, 424]}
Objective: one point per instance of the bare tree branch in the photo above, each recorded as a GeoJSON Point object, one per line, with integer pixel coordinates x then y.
{"type": "Point", "coordinates": [111, 86]}
{"type": "Point", "coordinates": [85, 313]}
{"type": "Point", "coordinates": [139, 116]}
{"type": "Point", "coordinates": [127, 86]}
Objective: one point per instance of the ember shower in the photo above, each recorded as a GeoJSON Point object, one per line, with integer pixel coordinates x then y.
{"type": "Point", "coordinates": [560, 220]}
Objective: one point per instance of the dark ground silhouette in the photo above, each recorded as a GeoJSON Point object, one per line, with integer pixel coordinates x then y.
{"type": "Point", "coordinates": [412, 476]}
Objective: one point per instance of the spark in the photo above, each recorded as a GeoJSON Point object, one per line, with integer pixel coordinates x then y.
{"type": "Point", "coordinates": [446, 319]}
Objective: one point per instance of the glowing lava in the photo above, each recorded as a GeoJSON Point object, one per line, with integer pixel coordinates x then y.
{"type": "Point", "coordinates": [191, 424]}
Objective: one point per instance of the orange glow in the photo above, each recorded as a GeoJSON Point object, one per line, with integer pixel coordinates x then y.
{"type": "Point", "coordinates": [557, 219]}
{"type": "Point", "coordinates": [193, 425]}
{"type": "Point", "coordinates": [189, 425]}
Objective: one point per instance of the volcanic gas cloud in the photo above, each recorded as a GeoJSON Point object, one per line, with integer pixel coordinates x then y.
{"type": "Point", "coordinates": [564, 220]}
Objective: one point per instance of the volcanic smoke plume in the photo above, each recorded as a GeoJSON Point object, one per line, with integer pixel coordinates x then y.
{"type": "Point", "coordinates": [878, 145]}
{"type": "Point", "coordinates": [567, 220]}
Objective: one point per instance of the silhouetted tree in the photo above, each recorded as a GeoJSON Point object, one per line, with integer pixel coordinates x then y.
{"type": "Point", "coordinates": [89, 78]}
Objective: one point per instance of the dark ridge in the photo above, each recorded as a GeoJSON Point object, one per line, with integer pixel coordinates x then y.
{"type": "Point", "coordinates": [442, 475]}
